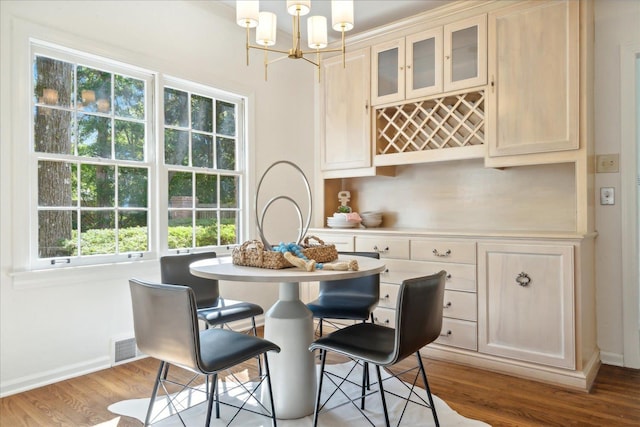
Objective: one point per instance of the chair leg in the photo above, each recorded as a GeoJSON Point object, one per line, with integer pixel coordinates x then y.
{"type": "Point", "coordinates": [320, 328]}
{"type": "Point", "coordinates": [273, 408]}
{"type": "Point", "coordinates": [426, 386]}
{"type": "Point", "coordinates": [216, 392]}
{"type": "Point", "coordinates": [212, 396]}
{"type": "Point", "coordinates": [166, 371]}
{"type": "Point", "coordinates": [255, 334]}
{"type": "Point", "coordinates": [323, 357]}
{"type": "Point", "coordinates": [384, 401]}
{"type": "Point", "coordinates": [365, 383]}
{"type": "Point", "coordinates": [154, 393]}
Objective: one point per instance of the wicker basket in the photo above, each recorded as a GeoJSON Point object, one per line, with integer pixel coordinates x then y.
{"type": "Point", "coordinates": [319, 251]}
{"type": "Point", "coordinates": [253, 254]}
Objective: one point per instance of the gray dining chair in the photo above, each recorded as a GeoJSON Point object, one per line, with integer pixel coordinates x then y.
{"type": "Point", "coordinates": [418, 323]}
{"type": "Point", "coordinates": [166, 328]}
{"type": "Point", "coordinates": [347, 299]}
{"type": "Point", "coordinates": [213, 309]}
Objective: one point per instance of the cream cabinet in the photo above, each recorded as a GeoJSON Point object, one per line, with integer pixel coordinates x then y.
{"type": "Point", "coordinates": [408, 67]}
{"type": "Point", "coordinates": [437, 60]}
{"type": "Point", "coordinates": [345, 129]}
{"type": "Point", "coordinates": [526, 296]}
{"type": "Point", "coordinates": [533, 101]}
{"type": "Point", "coordinates": [465, 57]}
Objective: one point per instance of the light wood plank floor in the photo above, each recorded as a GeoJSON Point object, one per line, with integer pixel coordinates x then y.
{"type": "Point", "coordinates": [499, 400]}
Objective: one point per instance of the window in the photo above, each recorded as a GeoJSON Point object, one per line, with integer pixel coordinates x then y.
{"type": "Point", "coordinates": [203, 167]}
{"type": "Point", "coordinates": [90, 141]}
{"type": "Point", "coordinates": [99, 168]}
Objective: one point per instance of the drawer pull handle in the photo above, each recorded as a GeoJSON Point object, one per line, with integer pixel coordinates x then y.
{"type": "Point", "coordinates": [386, 296]}
{"type": "Point", "coordinates": [448, 276]}
{"type": "Point", "coordinates": [523, 279]}
{"type": "Point", "coordinates": [446, 334]}
{"type": "Point", "coordinates": [386, 249]}
{"type": "Point", "coordinates": [378, 320]}
{"type": "Point", "coordinates": [446, 254]}
{"type": "Point", "coordinates": [447, 305]}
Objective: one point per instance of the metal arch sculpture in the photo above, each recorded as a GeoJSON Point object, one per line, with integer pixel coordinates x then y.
{"type": "Point", "coordinates": [260, 219]}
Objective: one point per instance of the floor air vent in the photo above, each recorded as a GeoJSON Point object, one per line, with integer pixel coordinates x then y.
{"type": "Point", "coordinates": [124, 350]}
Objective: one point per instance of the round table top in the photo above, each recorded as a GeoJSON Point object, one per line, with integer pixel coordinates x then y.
{"type": "Point", "coordinates": [223, 269]}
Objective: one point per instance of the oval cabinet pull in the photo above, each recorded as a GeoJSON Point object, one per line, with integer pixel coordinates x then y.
{"type": "Point", "coordinates": [442, 255]}
{"type": "Point", "coordinates": [447, 305]}
{"type": "Point", "coordinates": [446, 334]}
{"type": "Point", "coordinates": [386, 249]}
{"type": "Point", "coordinates": [523, 279]}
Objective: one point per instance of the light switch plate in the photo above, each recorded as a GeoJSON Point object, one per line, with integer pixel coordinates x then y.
{"type": "Point", "coordinates": [607, 196]}
{"type": "Point", "coordinates": [607, 163]}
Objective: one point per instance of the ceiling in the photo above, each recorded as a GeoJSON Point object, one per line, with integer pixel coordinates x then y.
{"type": "Point", "coordinates": [368, 14]}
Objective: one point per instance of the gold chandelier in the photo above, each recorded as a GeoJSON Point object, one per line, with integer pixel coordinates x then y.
{"type": "Point", "coordinates": [249, 16]}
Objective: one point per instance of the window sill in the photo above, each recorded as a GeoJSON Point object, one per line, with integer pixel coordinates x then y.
{"type": "Point", "coordinates": [84, 275]}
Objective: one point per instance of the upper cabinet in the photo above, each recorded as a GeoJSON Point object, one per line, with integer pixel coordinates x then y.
{"type": "Point", "coordinates": [345, 98]}
{"type": "Point", "coordinates": [465, 57]}
{"type": "Point", "coordinates": [533, 100]}
{"type": "Point", "coordinates": [438, 60]}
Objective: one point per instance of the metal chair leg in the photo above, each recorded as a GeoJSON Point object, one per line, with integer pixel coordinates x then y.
{"type": "Point", "coordinates": [384, 401]}
{"type": "Point", "coordinates": [323, 358]}
{"type": "Point", "coordinates": [273, 408]}
{"type": "Point", "coordinates": [212, 396]}
{"type": "Point", "coordinates": [426, 386]}
{"type": "Point", "coordinates": [154, 393]}
{"type": "Point", "coordinates": [255, 334]}
{"type": "Point", "coordinates": [365, 383]}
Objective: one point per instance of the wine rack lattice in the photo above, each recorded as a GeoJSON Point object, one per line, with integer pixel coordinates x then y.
{"type": "Point", "coordinates": [434, 124]}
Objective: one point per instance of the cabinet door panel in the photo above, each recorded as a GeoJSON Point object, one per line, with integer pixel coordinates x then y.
{"type": "Point", "coordinates": [424, 63]}
{"type": "Point", "coordinates": [526, 301]}
{"type": "Point", "coordinates": [387, 72]}
{"type": "Point", "coordinates": [534, 60]}
{"type": "Point", "coordinates": [347, 130]}
{"type": "Point", "coordinates": [465, 53]}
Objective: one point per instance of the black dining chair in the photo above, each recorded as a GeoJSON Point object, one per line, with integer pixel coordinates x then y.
{"type": "Point", "coordinates": [166, 328]}
{"type": "Point", "coordinates": [347, 299]}
{"type": "Point", "coordinates": [213, 309]}
{"type": "Point", "coordinates": [418, 323]}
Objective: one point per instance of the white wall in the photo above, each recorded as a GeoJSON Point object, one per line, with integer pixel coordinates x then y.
{"type": "Point", "coordinates": [616, 24]}
{"type": "Point", "coordinates": [59, 324]}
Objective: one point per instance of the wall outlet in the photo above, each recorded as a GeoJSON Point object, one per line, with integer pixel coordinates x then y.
{"type": "Point", "coordinates": [607, 196]}
{"type": "Point", "coordinates": [607, 163]}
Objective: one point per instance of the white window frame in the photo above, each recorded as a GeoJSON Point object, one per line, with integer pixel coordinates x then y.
{"type": "Point", "coordinates": [26, 249]}
{"type": "Point", "coordinates": [241, 163]}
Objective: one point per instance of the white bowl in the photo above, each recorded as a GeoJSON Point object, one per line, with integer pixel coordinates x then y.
{"type": "Point", "coordinates": [368, 222]}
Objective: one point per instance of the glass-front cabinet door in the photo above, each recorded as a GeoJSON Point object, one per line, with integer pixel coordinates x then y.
{"type": "Point", "coordinates": [424, 63]}
{"type": "Point", "coordinates": [388, 76]}
{"type": "Point", "coordinates": [465, 53]}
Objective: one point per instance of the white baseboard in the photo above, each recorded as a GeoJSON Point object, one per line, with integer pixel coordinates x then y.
{"type": "Point", "coordinates": [611, 358]}
{"type": "Point", "coordinates": [40, 379]}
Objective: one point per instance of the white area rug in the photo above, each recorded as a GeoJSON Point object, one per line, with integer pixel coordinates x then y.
{"type": "Point", "coordinates": [346, 415]}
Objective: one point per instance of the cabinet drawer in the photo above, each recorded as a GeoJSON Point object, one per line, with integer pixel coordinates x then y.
{"type": "Point", "coordinates": [386, 247]}
{"type": "Point", "coordinates": [459, 333]}
{"type": "Point", "coordinates": [343, 243]}
{"type": "Point", "coordinates": [460, 277]}
{"type": "Point", "coordinates": [459, 251]}
{"type": "Point", "coordinates": [460, 305]}
{"type": "Point", "coordinates": [388, 295]}
{"type": "Point", "coordinates": [385, 317]}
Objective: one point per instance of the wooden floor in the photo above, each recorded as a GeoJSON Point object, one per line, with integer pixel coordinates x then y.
{"type": "Point", "coordinates": [496, 399]}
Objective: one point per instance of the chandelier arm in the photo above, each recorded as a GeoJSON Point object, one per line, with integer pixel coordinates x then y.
{"type": "Point", "coordinates": [309, 52]}
{"type": "Point", "coordinates": [317, 64]}
{"type": "Point", "coordinates": [268, 49]}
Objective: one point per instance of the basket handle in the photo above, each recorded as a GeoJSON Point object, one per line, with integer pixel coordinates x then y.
{"type": "Point", "coordinates": [256, 245]}
{"type": "Point", "coordinates": [307, 238]}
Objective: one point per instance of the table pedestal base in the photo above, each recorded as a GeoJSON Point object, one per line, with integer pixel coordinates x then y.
{"type": "Point", "coordinates": [289, 324]}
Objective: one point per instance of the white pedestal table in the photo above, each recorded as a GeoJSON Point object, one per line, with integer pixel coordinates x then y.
{"type": "Point", "coordinates": [289, 324]}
